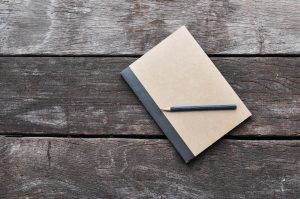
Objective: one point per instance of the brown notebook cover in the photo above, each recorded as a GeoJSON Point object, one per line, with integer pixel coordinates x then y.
{"type": "Point", "coordinates": [177, 72]}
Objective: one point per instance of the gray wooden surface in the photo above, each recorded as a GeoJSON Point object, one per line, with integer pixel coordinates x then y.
{"type": "Point", "coordinates": [67, 95]}
{"type": "Point", "coordinates": [71, 128]}
{"type": "Point", "coordinates": [139, 168]}
{"type": "Point", "coordinates": [134, 26]}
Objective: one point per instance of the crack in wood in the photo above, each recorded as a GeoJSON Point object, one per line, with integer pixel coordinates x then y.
{"type": "Point", "coordinates": [49, 153]}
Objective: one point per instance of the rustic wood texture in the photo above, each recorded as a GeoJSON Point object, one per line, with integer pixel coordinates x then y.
{"type": "Point", "coordinates": [134, 26]}
{"type": "Point", "coordinates": [138, 168]}
{"type": "Point", "coordinates": [88, 96]}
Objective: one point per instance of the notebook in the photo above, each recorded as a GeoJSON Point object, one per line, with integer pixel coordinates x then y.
{"type": "Point", "coordinates": [177, 72]}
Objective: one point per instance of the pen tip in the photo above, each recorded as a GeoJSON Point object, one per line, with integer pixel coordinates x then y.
{"type": "Point", "coordinates": [165, 109]}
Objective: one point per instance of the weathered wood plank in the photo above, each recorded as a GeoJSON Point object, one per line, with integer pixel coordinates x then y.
{"type": "Point", "coordinates": [133, 26]}
{"type": "Point", "coordinates": [133, 168]}
{"type": "Point", "coordinates": [88, 96]}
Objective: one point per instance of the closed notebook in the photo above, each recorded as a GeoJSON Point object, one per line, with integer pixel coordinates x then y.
{"type": "Point", "coordinates": [177, 72]}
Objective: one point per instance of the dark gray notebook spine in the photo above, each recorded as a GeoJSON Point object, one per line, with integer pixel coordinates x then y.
{"type": "Point", "coordinates": [157, 114]}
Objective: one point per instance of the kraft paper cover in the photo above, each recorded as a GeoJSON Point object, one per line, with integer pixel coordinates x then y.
{"type": "Point", "coordinates": [177, 72]}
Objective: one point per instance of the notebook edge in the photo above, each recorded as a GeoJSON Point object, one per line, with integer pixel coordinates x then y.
{"type": "Point", "coordinates": [155, 112]}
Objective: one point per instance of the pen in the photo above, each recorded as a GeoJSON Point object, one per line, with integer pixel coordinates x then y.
{"type": "Point", "coordinates": [200, 108]}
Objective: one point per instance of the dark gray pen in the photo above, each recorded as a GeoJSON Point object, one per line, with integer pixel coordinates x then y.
{"type": "Point", "coordinates": [201, 108]}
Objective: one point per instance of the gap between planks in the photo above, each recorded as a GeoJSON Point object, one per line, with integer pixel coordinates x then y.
{"type": "Point", "coordinates": [139, 55]}
{"type": "Point", "coordinates": [137, 136]}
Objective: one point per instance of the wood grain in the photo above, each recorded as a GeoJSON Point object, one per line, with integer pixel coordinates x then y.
{"type": "Point", "coordinates": [66, 95]}
{"type": "Point", "coordinates": [63, 27]}
{"type": "Point", "coordinates": [134, 168]}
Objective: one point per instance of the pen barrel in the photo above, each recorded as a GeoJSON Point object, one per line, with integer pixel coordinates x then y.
{"type": "Point", "coordinates": [203, 108]}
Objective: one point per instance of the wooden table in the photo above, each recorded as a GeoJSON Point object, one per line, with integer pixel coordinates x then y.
{"type": "Point", "coordinates": [71, 128]}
